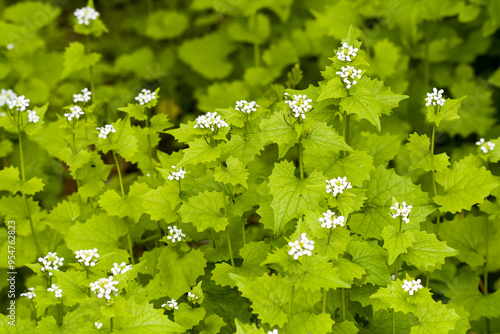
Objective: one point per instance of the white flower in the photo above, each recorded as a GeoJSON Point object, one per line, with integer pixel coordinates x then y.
{"type": "Point", "coordinates": [337, 186]}
{"type": "Point", "coordinates": [484, 146]}
{"type": "Point", "coordinates": [274, 331]}
{"type": "Point", "coordinates": [301, 247]}
{"type": "Point", "coordinates": [6, 95]}
{"type": "Point", "coordinates": [83, 15]}
{"type": "Point", "coordinates": [20, 102]}
{"type": "Point", "coordinates": [412, 286]}
{"type": "Point", "coordinates": [120, 268]}
{"type": "Point", "coordinates": [145, 96]}
{"type": "Point", "coordinates": [179, 174]}
{"type": "Point", "coordinates": [76, 112]}
{"type": "Point", "coordinates": [246, 106]}
{"type": "Point", "coordinates": [30, 294]}
{"type": "Point", "coordinates": [192, 297]}
{"type": "Point", "coordinates": [32, 116]}
{"type": "Point", "coordinates": [210, 121]}
{"type": "Point", "coordinates": [105, 130]}
{"type": "Point", "coordinates": [10, 46]}
{"type": "Point", "coordinates": [347, 52]}
{"type": "Point", "coordinates": [84, 97]}
{"type": "Point", "coordinates": [98, 324]}
{"type": "Point", "coordinates": [331, 220]}
{"type": "Point", "coordinates": [56, 290]}
{"type": "Point", "coordinates": [401, 210]}
{"type": "Point", "coordinates": [87, 256]}
{"type": "Point", "coordinates": [175, 234]}
{"type": "Point", "coordinates": [349, 74]}
{"type": "Point", "coordinates": [435, 98]}
{"type": "Point", "coordinates": [51, 261]}
{"type": "Point", "coordinates": [299, 105]}
{"type": "Point", "coordinates": [171, 304]}
{"type": "Point", "coordinates": [104, 287]}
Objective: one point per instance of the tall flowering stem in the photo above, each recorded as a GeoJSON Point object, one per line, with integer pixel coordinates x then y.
{"type": "Point", "coordinates": [91, 68]}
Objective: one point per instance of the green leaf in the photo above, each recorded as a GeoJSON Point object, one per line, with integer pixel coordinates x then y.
{"type": "Point", "coordinates": [356, 167]}
{"type": "Point", "coordinates": [11, 182]}
{"type": "Point", "coordinates": [255, 29]}
{"type": "Point", "coordinates": [92, 177]}
{"type": "Point", "coordinates": [160, 203]}
{"type": "Point", "coordinates": [74, 160]}
{"type": "Point", "coordinates": [123, 142]}
{"type": "Point", "coordinates": [205, 211]}
{"type": "Point", "coordinates": [292, 196]}
{"type": "Point", "coordinates": [421, 157]}
{"type": "Point", "coordinates": [373, 259]}
{"type": "Point", "coordinates": [396, 242]}
{"type": "Point", "coordinates": [247, 328]}
{"type": "Point", "coordinates": [364, 105]}
{"type": "Point", "coordinates": [29, 12]}
{"type": "Point", "coordinates": [199, 152]}
{"type": "Point", "coordinates": [24, 211]}
{"type": "Point", "coordinates": [178, 272]}
{"type": "Point", "coordinates": [334, 89]}
{"type": "Point", "coordinates": [164, 24]}
{"type": "Point", "coordinates": [346, 327]}
{"type": "Point", "coordinates": [76, 59]}
{"type": "Point", "coordinates": [128, 206]}
{"type": "Point", "coordinates": [187, 316]}
{"type": "Point", "coordinates": [211, 325]}
{"type": "Point", "coordinates": [385, 184]}
{"type": "Point", "coordinates": [276, 130]}
{"type": "Point", "coordinates": [322, 140]}
{"type": "Point", "coordinates": [427, 253]}
{"type": "Point", "coordinates": [235, 173]}
{"type": "Point", "coordinates": [135, 110]}
{"type": "Point", "coordinates": [447, 112]}
{"type": "Point", "coordinates": [244, 150]}
{"type": "Point", "coordinates": [464, 185]}
{"type": "Point", "coordinates": [63, 216]}
{"type": "Point", "coordinates": [74, 286]}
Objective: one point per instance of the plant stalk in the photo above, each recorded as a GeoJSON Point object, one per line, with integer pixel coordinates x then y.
{"type": "Point", "coordinates": [227, 232]}
{"type": "Point", "coordinates": [91, 71]}
{"type": "Point", "coordinates": [301, 159]}
{"type": "Point", "coordinates": [289, 316]}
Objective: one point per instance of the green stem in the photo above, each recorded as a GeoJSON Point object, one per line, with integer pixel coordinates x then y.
{"type": "Point", "coordinates": [485, 273]}
{"type": "Point", "coordinates": [34, 312]}
{"type": "Point", "coordinates": [301, 159]}
{"type": "Point", "coordinates": [180, 189]}
{"type": "Point", "coordinates": [227, 232]}
{"type": "Point", "coordinates": [243, 226]}
{"type": "Point", "coordinates": [343, 304]}
{"type": "Point", "coordinates": [60, 313]}
{"type": "Point", "coordinates": [329, 236]}
{"type": "Point", "coordinates": [396, 270]}
{"type": "Point", "coordinates": [346, 131]}
{"type": "Point", "coordinates": [150, 157]}
{"type": "Point", "coordinates": [289, 316]}
{"type": "Point", "coordinates": [393, 322]}
{"type": "Point", "coordinates": [111, 324]}
{"type": "Point", "coordinates": [324, 300]}
{"type": "Point", "coordinates": [119, 174]}
{"type": "Point", "coordinates": [433, 136]}
{"type": "Point", "coordinates": [256, 47]}
{"type": "Point", "coordinates": [91, 72]}
{"type": "Point", "coordinates": [158, 235]}
{"type": "Point", "coordinates": [130, 248]}
{"type": "Point", "coordinates": [213, 237]}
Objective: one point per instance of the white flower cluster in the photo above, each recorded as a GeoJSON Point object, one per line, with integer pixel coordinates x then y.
{"type": "Point", "coordinates": [104, 287]}
{"type": "Point", "coordinates": [83, 15]}
{"type": "Point", "coordinates": [349, 74]}
{"type": "Point", "coordinates": [84, 97]}
{"type": "Point", "coordinates": [435, 98]}
{"type": "Point", "coordinates": [171, 304]}
{"type": "Point", "coordinates": [274, 331]}
{"type": "Point", "coordinates": [10, 46]}
{"type": "Point", "coordinates": [30, 294]}
{"type": "Point", "coordinates": [175, 234]}
{"type": "Point", "coordinates": [246, 106]}
{"type": "Point", "coordinates": [330, 220]}
{"type": "Point", "coordinates": [179, 174]}
{"type": "Point", "coordinates": [32, 116]}
{"type": "Point", "coordinates": [105, 130]}
{"type": "Point", "coordinates": [98, 324]}
{"type": "Point", "coordinates": [6, 95]}
{"type": "Point", "coordinates": [412, 286]}
{"type": "Point", "coordinates": [76, 112]}
{"type": "Point", "coordinates": [192, 297]}
{"type": "Point", "coordinates": [485, 146]}
{"type": "Point", "coordinates": [337, 186]}
{"type": "Point", "coordinates": [87, 256]}
{"type": "Point", "coordinates": [210, 121]}
{"type": "Point", "coordinates": [145, 96]}
{"type": "Point", "coordinates": [347, 52]}
{"type": "Point", "coordinates": [120, 268]}
{"type": "Point", "coordinates": [299, 105]}
{"type": "Point", "coordinates": [56, 290]}
{"type": "Point", "coordinates": [18, 102]}
{"type": "Point", "coordinates": [401, 210]}
{"type": "Point", "coordinates": [51, 261]}
{"type": "Point", "coordinates": [301, 247]}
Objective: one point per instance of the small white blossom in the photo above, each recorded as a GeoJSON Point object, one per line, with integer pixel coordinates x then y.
{"type": "Point", "coordinates": [402, 210]}
{"type": "Point", "coordinates": [301, 247]}
{"type": "Point", "coordinates": [105, 130]}
{"type": "Point", "coordinates": [337, 186]}
{"type": "Point", "coordinates": [192, 297]}
{"type": "Point", "coordinates": [171, 304]}
{"type": "Point", "coordinates": [435, 98]}
{"type": "Point", "coordinates": [175, 234]}
{"type": "Point", "coordinates": [19, 102]}
{"type": "Point", "coordinates": [177, 175]}
{"type": "Point", "coordinates": [246, 106]}
{"type": "Point", "coordinates": [120, 268]}
{"type": "Point", "coordinates": [76, 112]}
{"type": "Point", "coordinates": [274, 331]}
{"type": "Point", "coordinates": [87, 256]}
{"type": "Point", "coordinates": [83, 15]}
{"type": "Point", "coordinates": [6, 95]}
{"type": "Point", "coordinates": [347, 52]}
{"type": "Point", "coordinates": [210, 121]}
{"type": "Point", "coordinates": [10, 46]}
{"type": "Point", "coordinates": [56, 290]}
{"type": "Point", "coordinates": [349, 75]}
{"type": "Point", "coordinates": [330, 220]}
{"type": "Point", "coordinates": [412, 286]}
{"type": "Point", "coordinates": [32, 116]}
{"type": "Point", "coordinates": [300, 104]}
{"type": "Point", "coordinates": [84, 97]}
{"type": "Point", "coordinates": [145, 96]}
{"type": "Point", "coordinates": [30, 294]}
{"type": "Point", "coordinates": [485, 146]}
{"type": "Point", "coordinates": [98, 324]}
{"type": "Point", "coordinates": [104, 287]}
{"type": "Point", "coordinates": [51, 261]}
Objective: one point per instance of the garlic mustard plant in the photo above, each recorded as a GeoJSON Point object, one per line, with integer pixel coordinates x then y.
{"type": "Point", "coordinates": [246, 107]}
{"type": "Point", "coordinates": [347, 52]}
{"type": "Point", "coordinates": [98, 324]}
{"type": "Point", "coordinates": [145, 96]}
{"type": "Point", "coordinates": [18, 102]}
{"type": "Point", "coordinates": [299, 105]}
{"type": "Point", "coordinates": [175, 234]}
{"type": "Point", "coordinates": [402, 210]}
{"type": "Point", "coordinates": [337, 185]}
{"type": "Point", "coordinates": [302, 246]}
{"type": "Point", "coordinates": [33, 117]}
{"type": "Point", "coordinates": [120, 268]}
{"type": "Point", "coordinates": [104, 287]}
{"type": "Point", "coordinates": [435, 98]}
{"type": "Point", "coordinates": [412, 286]}
{"type": "Point", "coordinates": [178, 174]}
{"type": "Point", "coordinates": [50, 261]}
{"type": "Point", "coordinates": [30, 294]}
{"type": "Point", "coordinates": [83, 97]}
{"type": "Point", "coordinates": [76, 112]}
{"type": "Point", "coordinates": [331, 220]}
{"type": "Point", "coordinates": [106, 130]}
{"type": "Point", "coordinates": [56, 290]}
{"type": "Point", "coordinates": [485, 146]}
{"type": "Point", "coordinates": [349, 75]}
{"type": "Point", "coordinates": [210, 121]}
{"type": "Point", "coordinates": [6, 95]}
{"type": "Point", "coordinates": [85, 14]}
{"type": "Point", "coordinates": [171, 305]}
{"type": "Point", "coordinates": [87, 257]}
